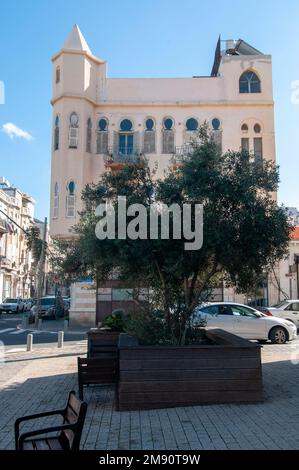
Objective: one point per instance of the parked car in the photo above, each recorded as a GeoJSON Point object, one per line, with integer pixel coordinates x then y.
{"type": "Point", "coordinates": [28, 304]}
{"type": "Point", "coordinates": [287, 309]}
{"type": "Point", "coordinates": [12, 305]}
{"type": "Point", "coordinates": [46, 304]}
{"type": "Point", "coordinates": [245, 321]}
{"type": "Point", "coordinates": [49, 309]}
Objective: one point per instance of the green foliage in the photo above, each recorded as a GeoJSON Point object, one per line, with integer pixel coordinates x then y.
{"type": "Point", "coordinates": [245, 232]}
{"type": "Point", "coordinates": [116, 321]}
{"type": "Point", "coordinates": [150, 328]}
{"type": "Point", "coordinates": [34, 242]}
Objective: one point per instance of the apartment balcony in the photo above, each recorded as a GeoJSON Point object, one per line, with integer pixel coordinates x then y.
{"type": "Point", "coordinates": [180, 153]}
{"type": "Point", "coordinates": [5, 262]}
{"type": "Point", "coordinates": [26, 211]}
{"type": "Point", "coordinates": [123, 156]}
{"type": "Point", "coordinates": [3, 226]}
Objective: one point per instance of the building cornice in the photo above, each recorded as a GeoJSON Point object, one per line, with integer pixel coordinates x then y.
{"type": "Point", "coordinates": [157, 104]}
{"type": "Point", "coordinates": [74, 51]}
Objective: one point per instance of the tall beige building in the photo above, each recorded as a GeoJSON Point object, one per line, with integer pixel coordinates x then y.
{"type": "Point", "coordinates": [101, 122]}
{"type": "Point", "coordinates": [15, 259]}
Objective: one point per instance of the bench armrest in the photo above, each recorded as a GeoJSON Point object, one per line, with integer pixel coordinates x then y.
{"type": "Point", "coordinates": [38, 432]}
{"type": "Point", "coordinates": [35, 416]}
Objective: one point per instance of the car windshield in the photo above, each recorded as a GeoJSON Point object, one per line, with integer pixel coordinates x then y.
{"type": "Point", "coordinates": [11, 301]}
{"type": "Point", "coordinates": [280, 304]}
{"type": "Point", "coordinates": [47, 301]}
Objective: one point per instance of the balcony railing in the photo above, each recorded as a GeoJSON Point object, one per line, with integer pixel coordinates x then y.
{"type": "Point", "coordinates": [180, 153]}
{"type": "Point", "coordinates": [26, 211]}
{"type": "Point", "coordinates": [3, 226]}
{"type": "Point", "coordinates": [123, 155]}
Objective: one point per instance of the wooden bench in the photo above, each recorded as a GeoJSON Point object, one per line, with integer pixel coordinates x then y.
{"type": "Point", "coordinates": [70, 431]}
{"type": "Point", "coordinates": [96, 371]}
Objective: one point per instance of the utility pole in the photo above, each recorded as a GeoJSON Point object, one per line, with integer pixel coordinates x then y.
{"type": "Point", "coordinates": [40, 273]}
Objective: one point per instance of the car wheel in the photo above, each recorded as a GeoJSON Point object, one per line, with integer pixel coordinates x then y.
{"type": "Point", "coordinates": [278, 335]}
{"type": "Point", "coordinates": [17, 310]}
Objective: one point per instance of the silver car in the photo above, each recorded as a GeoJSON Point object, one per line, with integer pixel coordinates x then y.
{"type": "Point", "coordinates": [12, 305]}
{"type": "Point", "coordinates": [287, 309]}
{"type": "Point", "coordinates": [245, 321]}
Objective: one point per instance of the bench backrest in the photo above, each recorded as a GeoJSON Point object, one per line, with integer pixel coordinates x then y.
{"type": "Point", "coordinates": [75, 413]}
{"type": "Point", "coordinates": [98, 370]}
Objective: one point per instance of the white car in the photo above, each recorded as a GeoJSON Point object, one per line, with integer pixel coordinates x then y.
{"type": "Point", "coordinates": [15, 305]}
{"type": "Point", "coordinates": [287, 309]}
{"type": "Point", "coordinates": [245, 321]}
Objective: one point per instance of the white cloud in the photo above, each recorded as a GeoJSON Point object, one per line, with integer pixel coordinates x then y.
{"type": "Point", "coordinates": [12, 131]}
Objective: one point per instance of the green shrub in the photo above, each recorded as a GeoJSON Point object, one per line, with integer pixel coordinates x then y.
{"type": "Point", "coordinates": [149, 328]}
{"type": "Point", "coordinates": [115, 321]}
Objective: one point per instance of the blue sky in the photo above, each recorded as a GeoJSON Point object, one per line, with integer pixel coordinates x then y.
{"type": "Point", "coordinates": [138, 38]}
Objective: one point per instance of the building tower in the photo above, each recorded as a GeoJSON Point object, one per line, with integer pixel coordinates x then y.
{"type": "Point", "coordinates": [78, 77]}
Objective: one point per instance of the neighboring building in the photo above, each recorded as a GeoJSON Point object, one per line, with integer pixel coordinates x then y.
{"type": "Point", "coordinates": [15, 259]}
{"type": "Point", "coordinates": [101, 123]}
{"type": "Point", "coordinates": [286, 282]}
{"type": "Point", "coordinates": [293, 215]}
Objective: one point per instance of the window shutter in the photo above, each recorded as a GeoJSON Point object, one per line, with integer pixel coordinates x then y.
{"type": "Point", "coordinates": [70, 205]}
{"type": "Point", "coordinates": [102, 142]}
{"type": "Point", "coordinates": [115, 142]}
{"type": "Point", "coordinates": [55, 207]}
{"type": "Point", "coordinates": [136, 143]}
{"type": "Point", "coordinates": [73, 137]}
{"type": "Point", "coordinates": [88, 139]}
{"type": "Point", "coordinates": [245, 144]}
{"type": "Point", "coordinates": [149, 142]}
{"type": "Point", "coordinates": [258, 148]}
{"type": "Point", "coordinates": [168, 141]}
{"type": "Point", "coordinates": [217, 138]}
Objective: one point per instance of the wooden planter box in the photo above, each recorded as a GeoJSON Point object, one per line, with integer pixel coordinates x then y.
{"type": "Point", "coordinates": [160, 376]}
{"type": "Point", "coordinates": [102, 343]}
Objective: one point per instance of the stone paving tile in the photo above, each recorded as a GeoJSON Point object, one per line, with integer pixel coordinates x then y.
{"type": "Point", "coordinates": [40, 381]}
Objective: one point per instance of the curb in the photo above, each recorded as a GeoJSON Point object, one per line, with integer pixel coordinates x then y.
{"type": "Point", "coordinates": [75, 332]}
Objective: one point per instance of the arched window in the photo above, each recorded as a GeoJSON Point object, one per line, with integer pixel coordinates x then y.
{"type": "Point", "coordinates": [249, 82]}
{"type": "Point", "coordinates": [257, 128]}
{"type": "Point", "coordinates": [149, 142]}
{"type": "Point", "coordinates": [56, 133]}
{"type": "Point", "coordinates": [244, 127]}
{"type": "Point", "coordinates": [191, 124]}
{"type": "Point", "coordinates": [126, 138]}
{"type": "Point", "coordinates": [126, 125]}
{"type": "Point", "coordinates": [216, 124]}
{"type": "Point", "coordinates": [55, 201]}
{"type": "Point", "coordinates": [71, 199]}
{"type": "Point", "coordinates": [73, 131]}
{"type": "Point", "coordinates": [88, 135]}
{"type": "Point", "coordinates": [168, 136]}
{"type": "Point", "coordinates": [217, 132]}
{"type": "Point", "coordinates": [57, 74]}
{"type": "Point", "coordinates": [102, 136]}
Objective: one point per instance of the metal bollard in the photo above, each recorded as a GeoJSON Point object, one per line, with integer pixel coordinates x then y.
{"type": "Point", "coordinates": [60, 339]}
{"type": "Point", "coordinates": [39, 324]}
{"type": "Point", "coordinates": [66, 325]}
{"type": "Point", "coordinates": [29, 342]}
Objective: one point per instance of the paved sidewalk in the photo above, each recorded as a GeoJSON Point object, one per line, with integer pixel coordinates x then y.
{"type": "Point", "coordinates": [37, 383]}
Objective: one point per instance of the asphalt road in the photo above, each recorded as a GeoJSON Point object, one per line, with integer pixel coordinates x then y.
{"type": "Point", "coordinates": [10, 335]}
